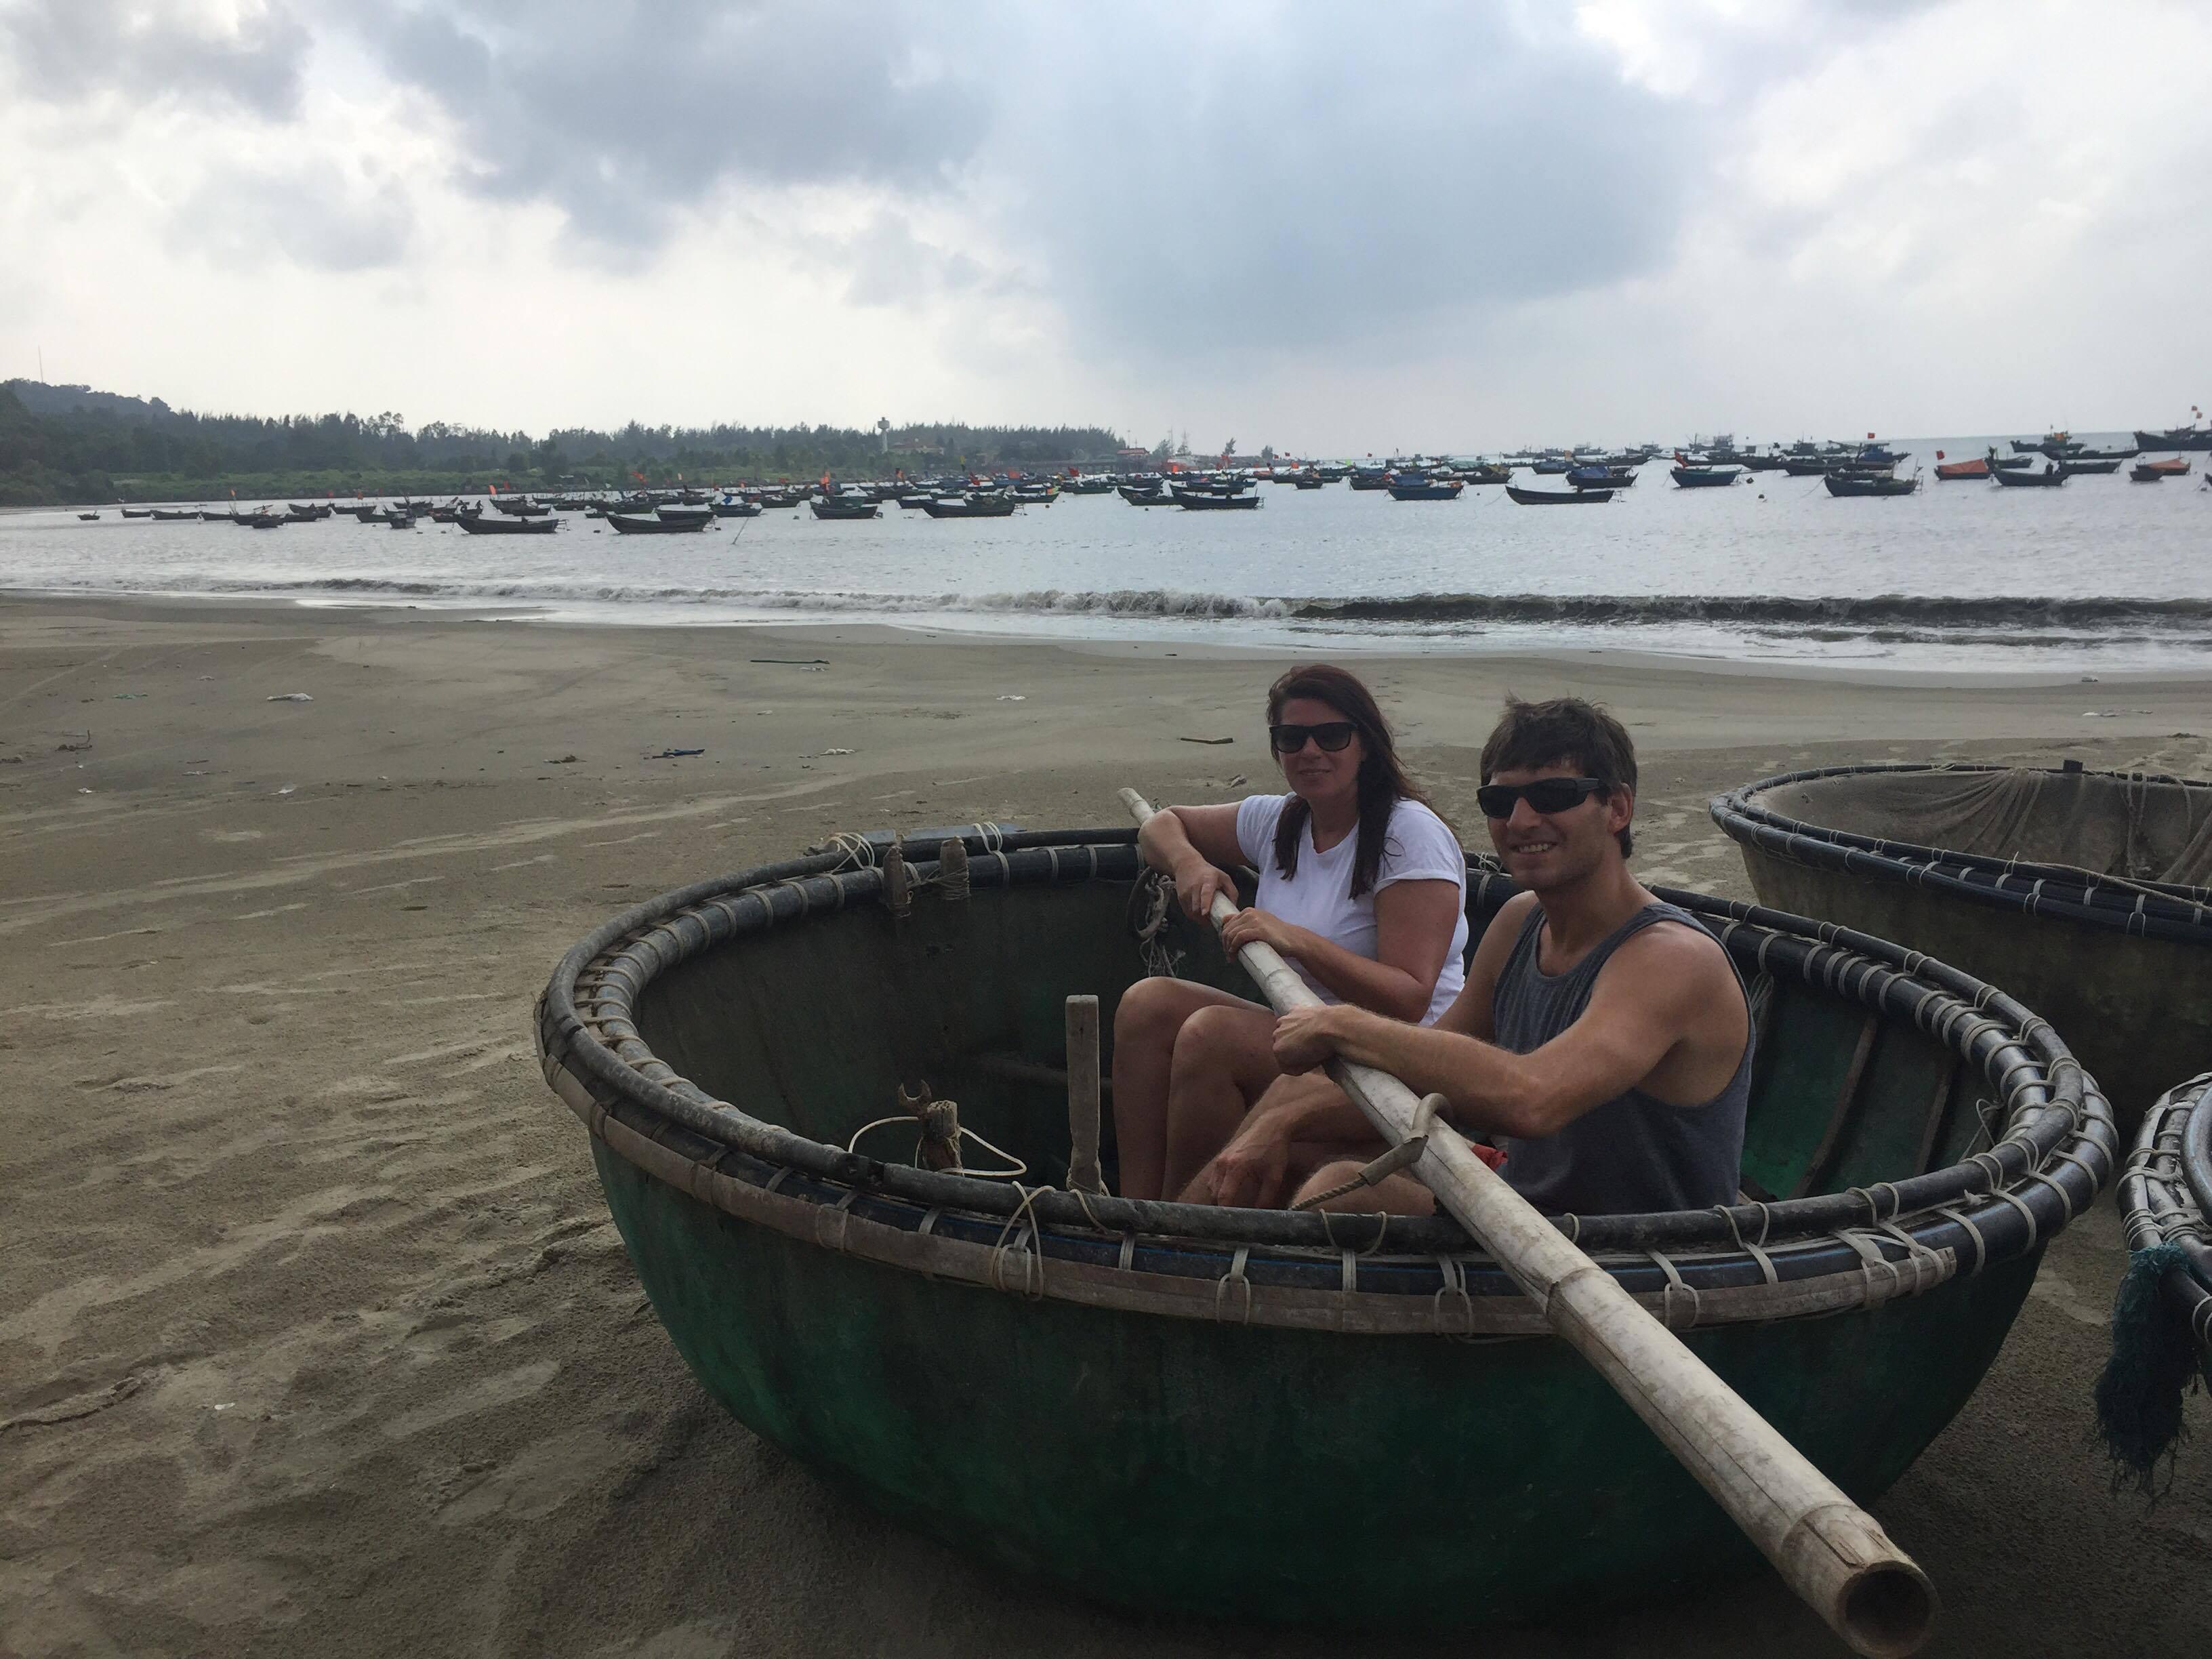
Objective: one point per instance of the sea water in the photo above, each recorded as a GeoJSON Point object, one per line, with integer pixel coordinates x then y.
{"type": "Point", "coordinates": [2102, 573]}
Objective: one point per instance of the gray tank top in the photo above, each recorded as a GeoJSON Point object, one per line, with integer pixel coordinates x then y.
{"type": "Point", "coordinates": [1634, 1154]}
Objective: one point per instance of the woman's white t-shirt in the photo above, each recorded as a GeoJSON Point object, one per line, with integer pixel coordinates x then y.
{"type": "Point", "coordinates": [1417, 847]}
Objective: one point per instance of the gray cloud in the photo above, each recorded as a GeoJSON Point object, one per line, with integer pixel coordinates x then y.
{"type": "Point", "coordinates": [620, 118]}
{"type": "Point", "coordinates": [1166, 176]}
{"type": "Point", "coordinates": [312, 215]}
{"type": "Point", "coordinates": [1310, 182]}
{"type": "Point", "coordinates": [65, 51]}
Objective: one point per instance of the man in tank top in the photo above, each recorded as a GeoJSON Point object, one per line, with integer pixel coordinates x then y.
{"type": "Point", "coordinates": [1603, 1041]}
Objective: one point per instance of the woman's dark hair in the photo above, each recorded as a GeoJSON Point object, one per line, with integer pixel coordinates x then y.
{"type": "Point", "coordinates": [1565, 730]}
{"type": "Point", "coordinates": [1382, 780]}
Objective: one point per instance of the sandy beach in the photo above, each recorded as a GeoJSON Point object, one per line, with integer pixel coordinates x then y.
{"type": "Point", "coordinates": [314, 1335]}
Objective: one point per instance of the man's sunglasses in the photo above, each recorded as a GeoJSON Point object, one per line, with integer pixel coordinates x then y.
{"type": "Point", "coordinates": [1497, 801]}
{"type": "Point", "coordinates": [1331, 735]}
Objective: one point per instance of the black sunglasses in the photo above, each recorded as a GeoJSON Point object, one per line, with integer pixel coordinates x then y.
{"type": "Point", "coordinates": [1331, 735]}
{"type": "Point", "coordinates": [1497, 801]}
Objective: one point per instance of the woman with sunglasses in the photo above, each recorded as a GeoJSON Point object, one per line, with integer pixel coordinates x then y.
{"type": "Point", "coordinates": [1363, 889]}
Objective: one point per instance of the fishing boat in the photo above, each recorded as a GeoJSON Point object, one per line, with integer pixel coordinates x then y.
{"type": "Point", "coordinates": [136, 511]}
{"type": "Point", "coordinates": [1421, 487]}
{"type": "Point", "coordinates": [173, 515]}
{"type": "Point", "coordinates": [2051, 478]}
{"type": "Point", "coordinates": [88, 516]}
{"type": "Point", "coordinates": [2176, 437]}
{"type": "Point", "coordinates": [2162, 1316]}
{"type": "Point", "coordinates": [1950, 472]}
{"type": "Point", "coordinates": [1307, 480]}
{"type": "Point", "coordinates": [1265, 1414]}
{"type": "Point", "coordinates": [2088, 894]}
{"type": "Point", "coordinates": [2149, 472]}
{"type": "Point", "coordinates": [742, 509]}
{"type": "Point", "coordinates": [2010, 463]}
{"type": "Point", "coordinates": [1555, 497]}
{"type": "Point", "coordinates": [2176, 467]}
{"type": "Point", "coordinates": [634, 524]}
{"type": "Point", "coordinates": [845, 507]}
{"type": "Point", "coordinates": [971, 507]}
{"type": "Point", "coordinates": [1208, 501]}
{"type": "Point", "coordinates": [1137, 496]}
{"type": "Point", "coordinates": [2082, 464]}
{"type": "Point", "coordinates": [520, 506]}
{"type": "Point", "coordinates": [489, 524]}
{"type": "Point", "coordinates": [1600, 476]}
{"type": "Point", "coordinates": [1845, 483]}
{"type": "Point", "coordinates": [1706, 478]}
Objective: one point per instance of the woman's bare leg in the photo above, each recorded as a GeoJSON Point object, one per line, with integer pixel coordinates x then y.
{"type": "Point", "coordinates": [1223, 1061]}
{"type": "Point", "coordinates": [1151, 1015]}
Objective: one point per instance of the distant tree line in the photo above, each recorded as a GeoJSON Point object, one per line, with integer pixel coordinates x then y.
{"type": "Point", "coordinates": [72, 444]}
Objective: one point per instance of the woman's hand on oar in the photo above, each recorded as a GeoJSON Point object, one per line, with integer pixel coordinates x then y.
{"type": "Point", "coordinates": [1196, 886]}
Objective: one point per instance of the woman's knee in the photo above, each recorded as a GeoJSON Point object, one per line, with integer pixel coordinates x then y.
{"type": "Point", "coordinates": [1218, 1038]}
{"type": "Point", "coordinates": [1150, 1010]}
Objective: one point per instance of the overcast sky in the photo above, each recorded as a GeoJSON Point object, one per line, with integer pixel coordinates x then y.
{"type": "Point", "coordinates": [1331, 228]}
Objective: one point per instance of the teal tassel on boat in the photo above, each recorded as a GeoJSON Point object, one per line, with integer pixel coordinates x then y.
{"type": "Point", "coordinates": [2152, 1364]}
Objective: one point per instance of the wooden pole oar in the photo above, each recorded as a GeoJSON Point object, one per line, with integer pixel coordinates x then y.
{"type": "Point", "coordinates": [1829, 1551]}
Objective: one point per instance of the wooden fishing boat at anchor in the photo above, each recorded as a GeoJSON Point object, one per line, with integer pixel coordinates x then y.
{"type": "Point", "coordinates": [1555, 497]}
{"type": "Point", "coordinates": [1870, 484]}
{"type": "Point", "coordinates": [632, 523]}
{"type": "Point", "coordinates": [1264, 1414]}
{"type": "Point", "coordinates": [485, 524]}
{"type": "Point", "coordinates": [2086, 892]}
{"type": "Point", "coordinates": [979, 505]}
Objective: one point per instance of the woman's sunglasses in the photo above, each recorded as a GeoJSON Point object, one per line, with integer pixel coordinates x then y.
{"type": "Point", "coordinates": [1331, 735]}
{"type": "Point", "coordinates": [1497, 801]}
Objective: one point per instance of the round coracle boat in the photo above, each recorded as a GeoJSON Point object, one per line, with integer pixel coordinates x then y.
{"type": "Point", "coordinates": [2162, 1318]}
{"type": "Point", "coordinates": [1267, 1414]}
{"type": "Point", "coordinates": [2085, 894]}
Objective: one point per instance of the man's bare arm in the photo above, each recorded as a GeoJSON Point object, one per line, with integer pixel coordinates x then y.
{"type": "Point", "coordinates": [1652, 995]}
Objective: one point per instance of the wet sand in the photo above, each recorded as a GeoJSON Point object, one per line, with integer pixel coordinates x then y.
{"type": "Point", "coordinates": [314, 1336]}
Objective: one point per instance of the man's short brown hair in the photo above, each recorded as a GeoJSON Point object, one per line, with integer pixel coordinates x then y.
{"type": "Point", "coordinates": [1564, 730]}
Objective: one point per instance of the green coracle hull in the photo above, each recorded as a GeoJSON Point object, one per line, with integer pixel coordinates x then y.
{"type": "Point", "coordinates": [1255, 1473]}
{"type": "Point", "coordinates": [2109, 937]}
{"type": "Point", "coordinates": [1164, 1434]}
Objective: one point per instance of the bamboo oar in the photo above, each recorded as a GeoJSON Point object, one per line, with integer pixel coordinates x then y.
{"type": "Point", "coordinates": [1831, 1552]}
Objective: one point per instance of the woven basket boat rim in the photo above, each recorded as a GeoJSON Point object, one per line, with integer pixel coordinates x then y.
{"type": "Point", "coordinates": [2177, 903]}
{"type": "Point", "coordinates": [2067, 1154]}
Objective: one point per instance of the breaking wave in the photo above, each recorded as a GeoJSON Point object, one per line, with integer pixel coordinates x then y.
{"type": "Point", "coordinates": [1912, 611]}
{"type": "Point", "coordinates": [1993, 619]}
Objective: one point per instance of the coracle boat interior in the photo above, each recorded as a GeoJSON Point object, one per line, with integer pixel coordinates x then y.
{"type": "Point", "coordinates": [1266, 1414]}
{"type": "Point", "coordinates": [2083, 893]}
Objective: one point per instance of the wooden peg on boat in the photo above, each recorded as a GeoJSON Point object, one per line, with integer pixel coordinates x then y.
{"type": "Point", "coordinates": [952, 870]}
{"type": "Point", "coordinates": [1083, 1172]}
{"type": "Point", "coordinates": [898, 883]}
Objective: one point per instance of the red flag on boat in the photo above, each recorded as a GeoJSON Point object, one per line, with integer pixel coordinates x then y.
{"type": "Point", "coordinates": [1939, 454]}
{"type": "Point", "coordinates": [493, 487]}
